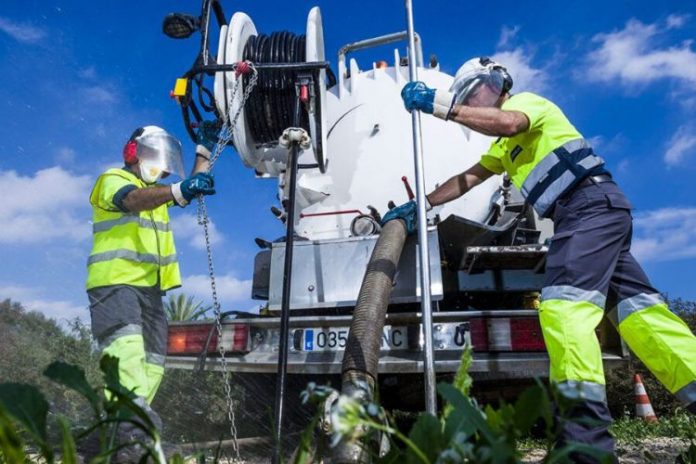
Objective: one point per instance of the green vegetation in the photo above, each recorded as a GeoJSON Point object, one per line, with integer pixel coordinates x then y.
{"type": "Point", "coordinates": [182, 308]}
{"type": "Point", "coordinates": [24, 416]}
{"type": "Point", "coordinates": [34, 407]}
{"type": "Point", "coordinates": [465, 431]}
{"type": "Point", "coordinates": [631, 430]}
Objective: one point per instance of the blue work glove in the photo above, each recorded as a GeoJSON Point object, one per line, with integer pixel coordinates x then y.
{"type": "Point", "coordinates": [418, 96]}
{"type": "Point", "coordinates": [207, 134]}
{"type": "Point", "coordinates": [198, 184]}
{"type": "Point", "coordinates": [407, 212]}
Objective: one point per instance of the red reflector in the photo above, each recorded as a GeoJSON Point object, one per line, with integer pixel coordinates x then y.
{"type": "Point", "coordinates": [506, 334]}
{"type": "Point", "coordinates": [525, 334]}
{"type": "Point", "coordinates": [190, 339]}
{"type": "Point", "coordinates": [240, 340]}
{"type": "Point", "coordinates": [479, 333]}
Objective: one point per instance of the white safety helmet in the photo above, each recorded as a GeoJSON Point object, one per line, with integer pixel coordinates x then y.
{"type": "Point", "coordinates": [480, 82]}
{"type": "Point", "coordinates": [159, 153]}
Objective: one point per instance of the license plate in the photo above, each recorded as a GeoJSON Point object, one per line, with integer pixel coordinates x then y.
{"type": "Point", "coordinates": [335, 339]}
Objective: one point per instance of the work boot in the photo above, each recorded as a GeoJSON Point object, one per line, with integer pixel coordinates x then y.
{"type": "Point", "coordinates": [131, 433]}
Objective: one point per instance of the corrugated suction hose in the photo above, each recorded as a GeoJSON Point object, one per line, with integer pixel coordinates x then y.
{"type": "Point", "coordinates": [361, 357]}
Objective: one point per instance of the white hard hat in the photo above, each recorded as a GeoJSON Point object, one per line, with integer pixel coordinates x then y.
{"type": "Point", "coordinates": [159, 153]}
{"type": "Point", "coordinates": [480, 82]}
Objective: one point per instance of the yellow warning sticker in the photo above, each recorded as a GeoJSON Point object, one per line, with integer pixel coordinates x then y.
{"type": "Point", "coordinates": [180, 87]}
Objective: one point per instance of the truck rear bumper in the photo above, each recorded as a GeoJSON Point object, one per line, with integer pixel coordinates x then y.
{"type": "Point", "coordinates": [497, 353]}
{"type": "Point", "coordinates": [485, 365]}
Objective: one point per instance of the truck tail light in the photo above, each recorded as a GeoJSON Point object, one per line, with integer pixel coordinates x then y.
{"type": "Point", "coordinates": [506, 334]}
{"type": "Point", "coordinates": [191, 339]}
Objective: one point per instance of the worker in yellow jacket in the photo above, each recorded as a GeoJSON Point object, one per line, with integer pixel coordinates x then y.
{"type": "Point", "coordinates": [562, 178]}
{"type": "Point", "coordinates": [133, 259]}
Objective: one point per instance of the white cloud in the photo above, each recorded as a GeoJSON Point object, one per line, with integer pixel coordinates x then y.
{"type": "Point", "coordinates": [665, 234]}
{"type": "Point", "coordinates": [99, 95]}
{"type": "Point", "coordinates": [60, 310]}
{"type": "Point", "coordinates": [229, 288]}
{"type": "Point", "coordinates": [632, 56]}
{"type": "Point", "coordinates": [597, 141]}
{"type": "Point", "coordinates": [52, 204]}
{"type": "Point", "coordinates": [21, 32]}
{"type": "Point", "coordinates": [88, 73]}
{"type": "Point", "coordinates": [681, 145]}
{"type": "Point", "coordinates": [186, 227]}
{"type": "Point", "coordinates": [507, 33]}
{"type": "Point", "coordinates": [525, 76]}
{"type": "Point", "coordinates": [65, 155]}
{"type": "Point", "coordinates": [623, 166]}
{"type": "Point", "coordinates": [675, 21]}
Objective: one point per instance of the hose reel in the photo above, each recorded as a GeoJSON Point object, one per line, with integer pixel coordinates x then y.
{"type": "Point", "coordinates": [270, 107]}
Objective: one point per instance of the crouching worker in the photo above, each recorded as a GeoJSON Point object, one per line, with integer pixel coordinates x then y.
{"type": "Point", "coordinates": [133, 260]}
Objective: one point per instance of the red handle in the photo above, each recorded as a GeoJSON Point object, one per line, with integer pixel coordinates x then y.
{"type": "Point", "coordinates": [409, 192]}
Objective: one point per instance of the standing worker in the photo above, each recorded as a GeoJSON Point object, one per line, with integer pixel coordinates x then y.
{"type": "Point", "coordinates": [133, 259]}
{"type": "Point", "coordinates": [589, 258]}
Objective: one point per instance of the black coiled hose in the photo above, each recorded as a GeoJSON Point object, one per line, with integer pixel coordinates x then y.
{"type": "Point", "coordinates": [269, 109]}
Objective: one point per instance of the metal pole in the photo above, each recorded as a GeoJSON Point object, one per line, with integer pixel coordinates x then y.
{"type": "Point", "coordinates": [291, 170]}
{"type": "Point", "coordinates": [426, 304]}
{"type": "Point", "coordinates": [381, 40]}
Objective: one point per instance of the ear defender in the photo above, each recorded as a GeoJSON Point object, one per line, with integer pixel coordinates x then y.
{"type": "Point", "coordinates": [130, 151]}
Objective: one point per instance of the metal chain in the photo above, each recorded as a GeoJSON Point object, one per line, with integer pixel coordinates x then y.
{"type": "Point", "coordinates": [224, 137]}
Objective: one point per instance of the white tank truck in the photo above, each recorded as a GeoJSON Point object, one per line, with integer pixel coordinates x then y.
{"type": "Point", "coordinates": [486, 249]}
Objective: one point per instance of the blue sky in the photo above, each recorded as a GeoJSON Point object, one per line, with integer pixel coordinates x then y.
{"type": "Point", "coordinates": [78, 77]}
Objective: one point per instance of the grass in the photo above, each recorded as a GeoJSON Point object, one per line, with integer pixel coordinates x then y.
{"type": "Point", "coordinates": [631, 431]}
{"type": "Point", "coordinates": [679, 425]}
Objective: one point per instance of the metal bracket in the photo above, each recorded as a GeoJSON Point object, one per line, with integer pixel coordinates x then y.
{"type": "Point", "coordinates": [296, 135]}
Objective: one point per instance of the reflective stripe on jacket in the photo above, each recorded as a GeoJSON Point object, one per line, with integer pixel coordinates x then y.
{"type": "Point", "coordinates": [557, 172]}
{"type": "Point", "coordinates": [129, 248]}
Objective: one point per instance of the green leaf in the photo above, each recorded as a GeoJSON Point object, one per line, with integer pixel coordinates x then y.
{"type": "Point", "coordinates": [74, 378]}
{"type": "Point", "coordinates": [532, 404]}
{"type": "Point", "coordinates": [68, 450]}
{"type": "Point", "coordinates": [465, 418]}
{"type": "Point", "coordinates": [28, 406]}
{"type": "Point", "coordinates": [462, 379]}
{"type": "Point", "coordinates": [176, 459]}
{"type": "Point", "coordinates": [126, 405]}
{"type": "Point", "coordinates": [426, 434]}
{"type": "Point", "coordinates": [304, 450]}
{"type": "Point", "coordinates": [11, 445]}
{"type": "Point", "coordinates": [109, 366]}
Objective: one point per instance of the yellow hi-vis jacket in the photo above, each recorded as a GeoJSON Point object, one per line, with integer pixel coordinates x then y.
{"type": "Point", "coordinates": [545, 161]}
{"type": "Point", "coordinates": [129, 248]}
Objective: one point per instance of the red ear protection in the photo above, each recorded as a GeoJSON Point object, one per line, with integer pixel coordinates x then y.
{"type": "Point", "coordinates": [130, 151]}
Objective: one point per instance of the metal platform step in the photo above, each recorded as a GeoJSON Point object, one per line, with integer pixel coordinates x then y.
{"type": "Point", "coordinates": [483, 258]}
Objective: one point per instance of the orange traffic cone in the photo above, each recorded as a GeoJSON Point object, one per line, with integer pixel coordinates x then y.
{"type": "Point", "coordinates": [644, 409]}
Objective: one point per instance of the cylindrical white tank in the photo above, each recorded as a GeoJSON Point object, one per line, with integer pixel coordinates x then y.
{"type": "Point", "coordinates": [370, 148]}
{"type": "Point", "coordinates": [368, 145]}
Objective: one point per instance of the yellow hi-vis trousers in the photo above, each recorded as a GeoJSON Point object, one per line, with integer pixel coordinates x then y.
{"type": "Point", "coordinates": [589, 259]}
